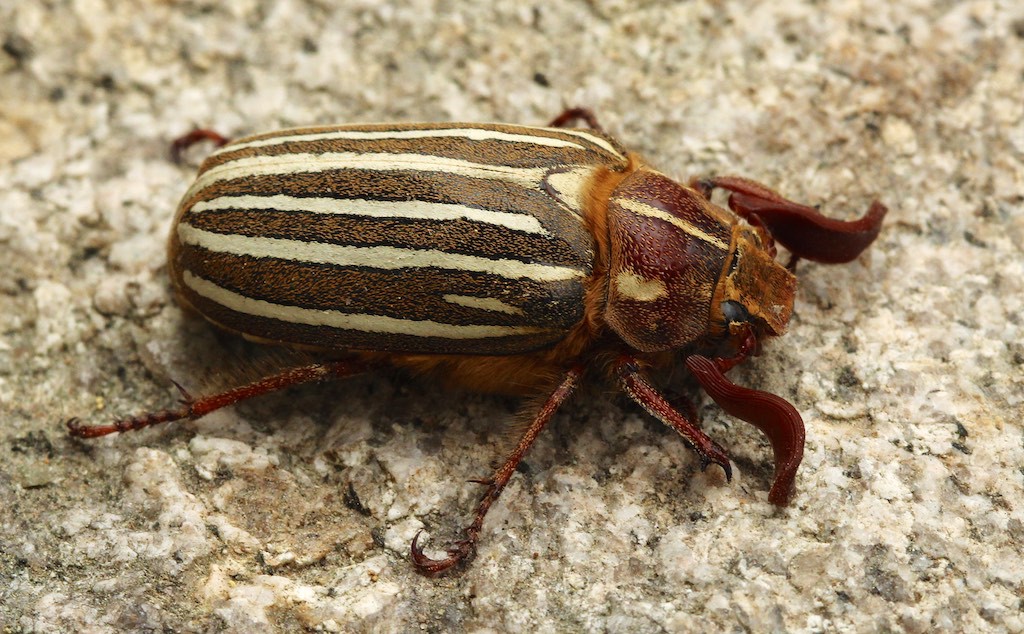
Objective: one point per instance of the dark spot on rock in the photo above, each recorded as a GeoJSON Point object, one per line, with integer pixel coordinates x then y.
{"type": "Point", "coordinates": [846, 377]}
{"type": "Point", "coordinates": [106, 82]}
{"type": "Point", "coordinates": [34, 442]}
{"type": "Point", "coordinates": [1018, 28]}
{"type": "Point", "coordinates": [353, 502]}
{"type": "Point", "coordinates": [18, 48]}
{"type": "Point", "coordinates": [973, 240]}
{"type": "Point", "coordinates": [880, 576]}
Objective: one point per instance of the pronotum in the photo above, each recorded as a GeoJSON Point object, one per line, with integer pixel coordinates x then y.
{"type": "Point", "coordinates": [502, 258]}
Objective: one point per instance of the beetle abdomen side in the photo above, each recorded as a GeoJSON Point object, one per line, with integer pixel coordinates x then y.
{"type": "Point", "coordinates": [422, 239]}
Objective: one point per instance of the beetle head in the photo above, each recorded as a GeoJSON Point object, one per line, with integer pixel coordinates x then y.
{"type": "Point", "coordinates": [754, 289]}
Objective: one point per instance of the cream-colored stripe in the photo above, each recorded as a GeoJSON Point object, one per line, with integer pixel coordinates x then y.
{"type": "Point", "coordinates": [304, 163]}
{"type": "Point", "coordinates": [592, 138]}
{"type": "Point", "coordinates": [483, 303]}
{"type": "Point", "coordinates": [347, 321]}
{"type": "Point", "coordinates": [473, 134]}
{"type": "Point", "coordinates": [414, 209]}
{"type": "Point", "coordinates": [638, 288]}
{"type": "Point", "coordinates": [570, 187]}
{"type": "Point", "coordinates": [383, 257]}
{"type": "Point", "coordinates": [653, 212]}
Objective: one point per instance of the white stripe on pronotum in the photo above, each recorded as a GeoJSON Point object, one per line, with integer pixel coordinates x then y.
{"type": "Point", "coordinates": [644, 209]}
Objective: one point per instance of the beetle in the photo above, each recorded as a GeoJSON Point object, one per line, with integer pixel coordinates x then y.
{"type": "Point", "coordinates": [502, 258]}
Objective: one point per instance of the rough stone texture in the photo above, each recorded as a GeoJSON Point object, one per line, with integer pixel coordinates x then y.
{"type": "Point", "coordinates": [908, 365]}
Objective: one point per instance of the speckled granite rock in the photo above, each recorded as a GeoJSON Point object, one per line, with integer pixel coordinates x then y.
{"type": "Point", "coordinates": [296, 511]}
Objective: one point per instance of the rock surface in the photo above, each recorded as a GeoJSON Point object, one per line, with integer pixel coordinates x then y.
{"type": "Point", "coordinates": [296, 511]}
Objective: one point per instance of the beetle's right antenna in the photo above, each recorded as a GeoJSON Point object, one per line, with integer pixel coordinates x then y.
{"type": "Point", "coordinates": [802, 229]}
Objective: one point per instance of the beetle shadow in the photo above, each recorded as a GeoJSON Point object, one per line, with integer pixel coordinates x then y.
{"type": "Point", "coordinates": [311, 418]}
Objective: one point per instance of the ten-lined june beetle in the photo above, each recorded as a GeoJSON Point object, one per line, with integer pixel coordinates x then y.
{"type": "Point", "coordinates": [503, 258]}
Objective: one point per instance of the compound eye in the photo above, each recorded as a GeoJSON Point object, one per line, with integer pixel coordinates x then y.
{"type": "Point", "coordinates": [735, 312]}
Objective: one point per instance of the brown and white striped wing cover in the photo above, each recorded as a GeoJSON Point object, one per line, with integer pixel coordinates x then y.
{"type": "Point", "coordinates": [419, 238]}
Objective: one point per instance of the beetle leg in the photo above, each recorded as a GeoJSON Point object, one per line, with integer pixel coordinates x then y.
{"type": "Point", "coordinates": [773, 415]}
{"type": "Point", "coordinates": [572, 115]}
{"type": "Point", "coordinates": [640, 390]}
{"type": "Point", "coordinates": [182, 143]}
{"type": "Point", "coordinates": [685, 407]}
{"type": "Point", "coordinates": [193, 408]}
{"type": "Point", "coordinates": [465, 547]}
{"type": "Point", "coordinates": [802, 229]}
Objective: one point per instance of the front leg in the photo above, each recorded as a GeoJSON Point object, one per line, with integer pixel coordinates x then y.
{"type": "Point", "coordinates": [638, 388]}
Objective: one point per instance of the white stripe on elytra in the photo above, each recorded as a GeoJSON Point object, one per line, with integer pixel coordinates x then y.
{"type": "Point", "coordinates": [570, 187]}
{"type": "Point", "coordinates": [306, 163]}
{"type": "Point", "coordinates": [653, 212]}
{"type": "Point", "coordinates": [483, 303]}
{"type": "Point", "coordinates": [473, 134]}
{"type": "Point", "coordinates": [347, 321]}
{"type": "Point", "coordinates": [592, 138]}
{"type": "Point", "coordinates": [382, 257]}
{"type": "Point", "coordinates": [413, 209]}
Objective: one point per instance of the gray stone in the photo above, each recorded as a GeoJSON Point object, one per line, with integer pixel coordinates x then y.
{"type": "Point", "coordinates": [296, 510]}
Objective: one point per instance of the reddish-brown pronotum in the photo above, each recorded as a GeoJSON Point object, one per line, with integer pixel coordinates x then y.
{"type": "Point", "coordinates": [498, 257]}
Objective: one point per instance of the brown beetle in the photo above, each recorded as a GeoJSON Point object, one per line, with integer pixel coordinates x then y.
{"type": "Point", "coordinates": [500, 258]}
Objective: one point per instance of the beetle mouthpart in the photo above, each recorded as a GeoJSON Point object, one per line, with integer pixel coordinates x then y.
{"type": "Point", "coordinates": [772, 414]}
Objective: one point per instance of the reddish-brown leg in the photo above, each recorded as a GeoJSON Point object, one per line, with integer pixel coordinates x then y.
{"type": "Point", "coordinates": [572, 115]}
{"type": "Point", "coordinates": [186, 141]}
{"type": "Point", "coordinates": [802, 229]}
{"type": "Point", "coordinates": [193, 408]}
{"type": "Point", "coordinates": [773, 415]}
{"type": "Point", "coordinates": [640, 390]}
{"type": "Point", "coordinates": [464, 548]}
